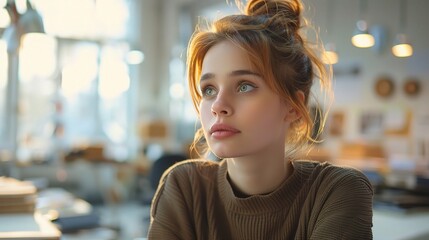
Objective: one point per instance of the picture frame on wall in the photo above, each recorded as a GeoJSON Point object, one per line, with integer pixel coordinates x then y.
{"type": "Point", "coordinates": [336, 124]}
{"type": "Point", "coordinates": [372, 123]}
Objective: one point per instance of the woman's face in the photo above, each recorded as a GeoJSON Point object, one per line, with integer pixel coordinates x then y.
{"type": "Point", "coordinates": [240, 115]}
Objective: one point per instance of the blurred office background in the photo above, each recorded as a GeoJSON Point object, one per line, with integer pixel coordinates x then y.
{"type": "Point", "coordinates": [94, 105]}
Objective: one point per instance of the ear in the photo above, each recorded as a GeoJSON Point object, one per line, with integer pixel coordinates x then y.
{"type": "Point", "coordinates": [292, 114]}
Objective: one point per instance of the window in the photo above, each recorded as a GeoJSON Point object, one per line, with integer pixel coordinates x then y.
{"type": "Point", "coordinates": [73, 87]}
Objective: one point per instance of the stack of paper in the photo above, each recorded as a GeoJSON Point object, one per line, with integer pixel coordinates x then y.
{"type": "Point", "coordinates": [17, 196]}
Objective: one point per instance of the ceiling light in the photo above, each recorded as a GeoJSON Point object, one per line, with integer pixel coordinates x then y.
{"type": "Point", "coordinates": [401, 47]}
{"type": "Point", "coordinates": [330, 56]}
{"type": "Point", "coordinates": [361, 37]}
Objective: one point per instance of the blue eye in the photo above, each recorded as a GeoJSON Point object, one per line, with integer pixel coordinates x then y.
{"type": "Point", "coordinates": [245, 87]}
{"type": "Point", "coordinates": [208, 91]}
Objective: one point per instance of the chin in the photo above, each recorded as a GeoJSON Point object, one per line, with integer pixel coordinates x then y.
{"type": "Point", "coordinates": [226, 151]}
{"type": "Point", "coordinates": [225, 154]}
{"type": "Point", "coordinates": [219, 155]}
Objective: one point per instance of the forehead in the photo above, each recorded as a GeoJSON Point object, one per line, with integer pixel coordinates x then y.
{"type": "Point", "coordinates": [225, 57]}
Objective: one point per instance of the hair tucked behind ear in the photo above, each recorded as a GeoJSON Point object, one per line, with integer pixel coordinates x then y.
{"type": "Point", "coordinates": [270, 32]}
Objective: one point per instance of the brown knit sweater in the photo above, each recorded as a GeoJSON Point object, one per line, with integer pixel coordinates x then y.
{"type": "Point", "coordinates": [318, 201]}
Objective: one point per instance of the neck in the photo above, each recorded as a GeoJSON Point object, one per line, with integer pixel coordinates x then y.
{"type": "Point", "coordinates": [258, 175]}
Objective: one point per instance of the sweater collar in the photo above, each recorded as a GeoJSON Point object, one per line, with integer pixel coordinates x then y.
{"type": "Point", "coordinates": [280, 198]}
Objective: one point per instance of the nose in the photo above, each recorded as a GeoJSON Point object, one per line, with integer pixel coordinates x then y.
{"type": "Point", "coordinates": [221, 105]}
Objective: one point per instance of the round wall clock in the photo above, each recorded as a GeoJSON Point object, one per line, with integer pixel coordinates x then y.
{"type": "Point", "coordinates": [384, 86]}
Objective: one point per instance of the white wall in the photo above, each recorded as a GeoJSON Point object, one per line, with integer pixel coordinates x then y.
{"type": "Point", "coordinates": [354, 93]}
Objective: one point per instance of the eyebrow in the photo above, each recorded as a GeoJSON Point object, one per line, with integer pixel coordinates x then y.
{"type": "Point", "coordinates": [235, 73]}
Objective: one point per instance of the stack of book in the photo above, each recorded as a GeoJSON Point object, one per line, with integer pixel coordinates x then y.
{"type": "Point", "coordinates": [19, 218]}
{"type": "Point", "coordinates": [17, 196]}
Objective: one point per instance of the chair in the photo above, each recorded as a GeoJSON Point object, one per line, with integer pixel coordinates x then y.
{"type": "Point", "coordinates": [162, 164]}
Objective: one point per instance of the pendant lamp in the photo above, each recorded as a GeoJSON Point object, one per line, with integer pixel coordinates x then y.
{"type": "Point", "coordinates": [361, 36]}
{"type": "Point", "coordinates": [330, 55]}
{"type": "Point", "coordinates": [401, 45]}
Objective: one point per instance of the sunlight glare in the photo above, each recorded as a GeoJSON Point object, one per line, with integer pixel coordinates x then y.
{"type": "Point", "coordinates": [114, 79]}
{"type": "Point", "coordinates": [37, 56]}
{"type": "Point", "coordinates": [4, 65]}
{"type": "Point", "coordinates": [78, 75]}
{"type": "Point", "coordinates": [4, 18]}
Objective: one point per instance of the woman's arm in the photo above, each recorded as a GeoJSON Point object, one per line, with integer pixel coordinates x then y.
{"type": "Point", "coordinates": [347, 209]}
{"type": "Point", "coordinates": [170, 214]}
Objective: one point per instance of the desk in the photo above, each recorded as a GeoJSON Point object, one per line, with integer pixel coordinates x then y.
{"type": "Point", "coordinates": [27, 226]}
{"type": "Point", "coordinates": [397, 225]}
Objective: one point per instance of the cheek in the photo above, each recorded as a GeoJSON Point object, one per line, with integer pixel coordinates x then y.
{"type": "Point", "coordinates": [265, 116]}
{"type": "Point", "coordinates": [205, 114]}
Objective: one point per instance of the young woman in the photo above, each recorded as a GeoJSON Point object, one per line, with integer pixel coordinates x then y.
{"type": "Point", "coordinates": [250, 78]}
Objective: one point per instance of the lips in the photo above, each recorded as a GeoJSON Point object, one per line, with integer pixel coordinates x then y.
{"type": "Point", "coordinates": [222, 131]}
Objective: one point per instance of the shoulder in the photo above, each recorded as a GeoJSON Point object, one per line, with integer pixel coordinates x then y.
{"type": "Point", "coordinates": [174, 201]}
{"type": "Point", "coordinates": [331, 175]}
{"type": "Point", "coordinates": [341, 201]}
{"type": "Point", "coordinates": [191, 168]}
{"type": "Point", "coordinates": [188, 174]}
{"type": "Point", "coordinates": [327, 169]}
{"type": "Point", "coordinates": [183, 179]}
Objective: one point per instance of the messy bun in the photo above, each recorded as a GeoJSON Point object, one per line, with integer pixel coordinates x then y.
{"type": "Point", "coordinates": [288, 12]}
{"type": "Point", "coordinates": [269, 31]}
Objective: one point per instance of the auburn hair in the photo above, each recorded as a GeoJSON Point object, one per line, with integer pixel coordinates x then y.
{"type": "Point", "coordinates": [270, 32]}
